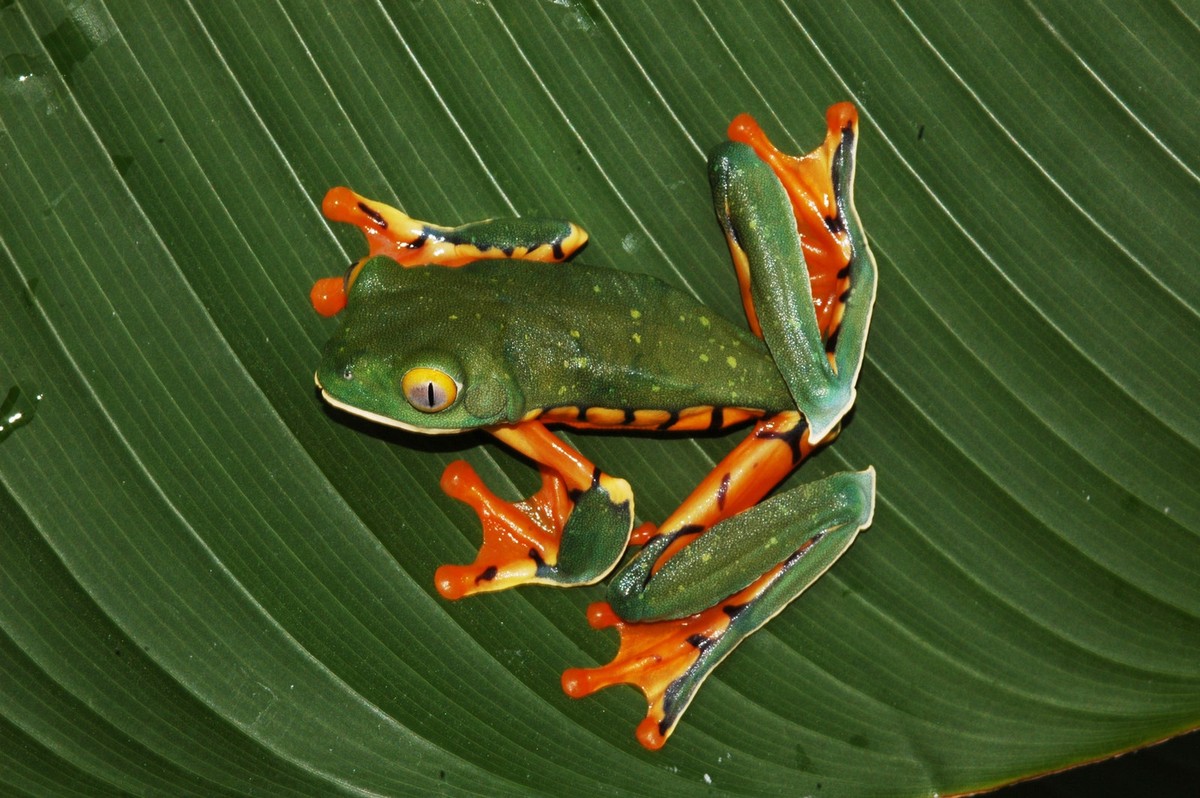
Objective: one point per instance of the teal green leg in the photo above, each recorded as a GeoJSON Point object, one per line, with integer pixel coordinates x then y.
{"type": "Point", "coordinates": [806, 528]}
{"type": "Point", "coordinates": [799, 534]}
{"type": "Point", "coordinates": [757, 217]}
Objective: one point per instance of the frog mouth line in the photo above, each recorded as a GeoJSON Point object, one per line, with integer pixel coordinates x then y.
{"type": "Point", "coordinates": [378, 418]}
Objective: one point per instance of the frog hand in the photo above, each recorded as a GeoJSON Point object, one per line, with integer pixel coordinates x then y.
{"type": "Point", "coordinates": [668, 659]}
{"type": "Point", "coordinates": [572, 531]}
{"type": "Point", "coordinates": [806, 272]}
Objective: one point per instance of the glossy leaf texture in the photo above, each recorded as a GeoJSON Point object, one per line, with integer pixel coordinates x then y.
{"type": "Point", "coordinates": [211, 585]}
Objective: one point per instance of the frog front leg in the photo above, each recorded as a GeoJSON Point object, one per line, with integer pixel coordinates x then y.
{"type": "Point", "coordinates": [573, 531]}
{"type": "Point", "coordinates": [411, 242]}
{"type": "Point", "coordinates": [807, 275]}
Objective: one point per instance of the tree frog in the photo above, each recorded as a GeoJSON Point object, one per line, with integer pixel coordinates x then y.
{"type": "Point", "coordinates": [488, 328]}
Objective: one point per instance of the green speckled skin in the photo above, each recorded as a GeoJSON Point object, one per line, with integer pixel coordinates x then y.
{"type": "Point", "coordinates": [529, 336]}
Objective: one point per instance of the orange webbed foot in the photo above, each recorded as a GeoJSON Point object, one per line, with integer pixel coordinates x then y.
{"type": "Point", "coordinates": [517, 536]}
{"type": "Point", "coordinates": [660, 658]}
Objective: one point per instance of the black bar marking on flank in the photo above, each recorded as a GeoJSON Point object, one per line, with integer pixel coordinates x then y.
{"type": "Point", "coordinates": [716, 419]}
{"type": "Point", "coordinates": [834, 224]}
{"type": "Point", "coordinates": [488, 574]}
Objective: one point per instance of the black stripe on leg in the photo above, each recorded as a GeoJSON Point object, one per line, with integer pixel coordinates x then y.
{"type": "Point", "coordinates": [373, 215]}
{"type": "Point", "coordinates": [671, 421]}
{"type": "Point", "coordinates": [723, 492]}
{"type": "Point", "coordinates": [790, 437]}
{"type": "Point", "coordinates": [831, 341]}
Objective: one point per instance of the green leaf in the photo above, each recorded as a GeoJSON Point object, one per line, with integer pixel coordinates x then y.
{"type": "Point", "coordinates": [210, 585]}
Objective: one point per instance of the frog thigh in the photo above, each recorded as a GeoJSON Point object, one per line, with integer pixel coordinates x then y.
{"type": "Point", "coordinates": [761, 228]}
{"type": "Point", "coordinates": [813, 523]}
{"type": "Point", "coordinates": [668, 660]}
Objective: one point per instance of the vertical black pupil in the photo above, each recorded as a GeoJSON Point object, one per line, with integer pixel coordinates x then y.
{"type": "Point", "coordinates": [429, 389]}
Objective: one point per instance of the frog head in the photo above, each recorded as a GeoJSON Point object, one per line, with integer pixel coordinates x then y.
{"type": "Point", "coordinates": [408, 356]}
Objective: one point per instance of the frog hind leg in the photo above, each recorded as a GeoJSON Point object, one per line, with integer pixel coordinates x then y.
{"type": "Point", "coordinates": [411, 242]}
{"type": "Point", "coordinates": [572, 531]}
{"type": "Point", "coordinates": [806, 271]}
{"type": "Point", "coordinates": [669, 659]}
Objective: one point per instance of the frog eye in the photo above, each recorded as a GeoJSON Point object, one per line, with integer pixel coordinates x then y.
{"type": "Point", "coordinates": [429, 390]}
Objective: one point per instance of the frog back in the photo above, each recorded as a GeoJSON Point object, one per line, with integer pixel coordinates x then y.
{"type": "Point", "coordinates": [579, 345]}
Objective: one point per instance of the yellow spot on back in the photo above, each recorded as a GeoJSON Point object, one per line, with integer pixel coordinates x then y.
{"type": "Point", "coordinates": [637, 339]}
{"type": "Point", "coordinates": [732, 361]}
{"type": "Point", "coordinates": [574, 333]}
{"type": "Point", "coordinates": [703, 358]}
{"type": "Point", "coordinates": [635, 313]}
{"type": "Point", "coordinates": [704, 321]}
